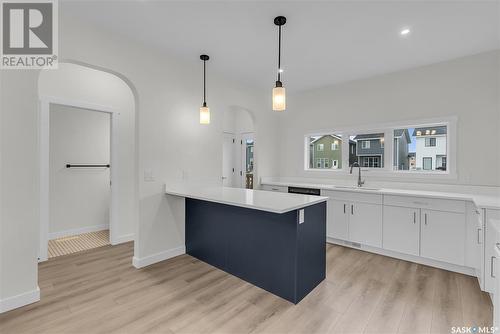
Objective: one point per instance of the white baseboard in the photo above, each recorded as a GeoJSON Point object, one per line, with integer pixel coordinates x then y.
{"type": "Point", "coordinates": [122, 238]}
{"type": "Point", "coordinates": [158, 257]}
{"type": "Point", "coordinates": [411, 258]}
{"type": "Point", "coordinates": [76, 231]}
{"type": "Point", "coordinates": [23, 299]}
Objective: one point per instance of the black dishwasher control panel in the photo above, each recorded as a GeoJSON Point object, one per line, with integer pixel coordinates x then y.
{"type": "Point", "coordinates": [304, 191]}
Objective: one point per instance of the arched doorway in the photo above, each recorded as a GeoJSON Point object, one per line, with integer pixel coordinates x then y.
{"type": "Point", "coordinates": [88, 89]}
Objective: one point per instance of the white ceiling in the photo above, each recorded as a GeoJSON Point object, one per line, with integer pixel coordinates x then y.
{"type": "Point", "coordinates": [324, 42]}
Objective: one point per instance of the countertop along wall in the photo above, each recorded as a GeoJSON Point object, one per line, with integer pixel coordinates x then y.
{"type": "Point", "coordinates": [467, 88]}
{"type": "Point", "coordinates": [168, 97]}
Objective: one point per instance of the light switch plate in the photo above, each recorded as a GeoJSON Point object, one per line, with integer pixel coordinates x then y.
{"type": "Point", "coordinates": [148, 175]}
{"type": "Point", "coordinates": [301, 216]}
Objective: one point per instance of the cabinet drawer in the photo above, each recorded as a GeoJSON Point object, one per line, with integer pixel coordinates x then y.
{"type": "Point", "coordinates": [269, 187]}
{"type": "Point", "coordinates": [426, 203]}
{"type": "Point", "coordinates": [353, 196]}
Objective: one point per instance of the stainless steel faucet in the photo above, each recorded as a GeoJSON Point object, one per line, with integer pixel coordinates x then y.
{"type": "Point", "coordinates": [356, 164]}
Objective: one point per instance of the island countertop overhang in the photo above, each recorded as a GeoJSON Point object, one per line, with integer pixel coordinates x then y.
{"type": "Point", "coordinates": [246, 198]}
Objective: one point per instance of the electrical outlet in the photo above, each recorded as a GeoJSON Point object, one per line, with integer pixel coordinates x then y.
{"type": "Point", "coordinates": [301, 216]}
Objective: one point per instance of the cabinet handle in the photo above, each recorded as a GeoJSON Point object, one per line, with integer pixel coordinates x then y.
{"type": "Point", "coordinates": [414, 217]}
{"type": "Point", "coordinates": [344, 208]}
{"type": "Point", "coordinates": [491, 266]}
{"type": "Point", "coordinates": [275, 189]}
{"type": "Point", "coordinates": [425, 218]}
{"type": "Point", "coordinates": [352, 209]}
{"type": "Point", "coordinates": [479, 236]}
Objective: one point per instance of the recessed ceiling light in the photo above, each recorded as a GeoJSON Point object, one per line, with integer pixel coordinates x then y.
{"type": "Point", "coordinates": [405, 31]}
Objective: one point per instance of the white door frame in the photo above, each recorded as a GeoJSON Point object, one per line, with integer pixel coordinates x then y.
{"type": "Point", "coordinates": [44, 143]}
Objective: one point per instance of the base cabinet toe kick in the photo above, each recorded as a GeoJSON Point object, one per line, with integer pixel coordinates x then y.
{"type": "Point", "coordinates": [282, 253]}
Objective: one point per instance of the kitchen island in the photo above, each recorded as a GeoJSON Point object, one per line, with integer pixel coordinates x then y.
{"type": "Point", "coordinates": [275, 241]}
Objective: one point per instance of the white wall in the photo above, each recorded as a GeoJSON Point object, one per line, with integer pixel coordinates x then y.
{"type": "Point", "coordinates": [167, 93]}
{"type": "Point", "coordinates": [77, 83]}
{"type": "Point", "coordinates": [79, 198]}
{"type": "Point", "coordinates": [19, 190]}
{"type": "Point", "coordinates": [466, 87]}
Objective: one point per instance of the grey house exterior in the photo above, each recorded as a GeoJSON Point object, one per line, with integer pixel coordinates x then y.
{"type": "Point", "coordinates": [370, 150]}
{"type": "Point", "coordinates": [401, 159]}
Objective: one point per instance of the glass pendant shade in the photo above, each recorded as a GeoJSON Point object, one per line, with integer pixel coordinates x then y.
{"type": "Point", "coordinates": [279, 99]}
{"type": "Point", "coordinates": [204, 115]}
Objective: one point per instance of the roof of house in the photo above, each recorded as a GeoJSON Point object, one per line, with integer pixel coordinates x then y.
{"type": "Point", "coordinates": [370, 136]}
{"type": "Point", "coordinates": [429, 131]}
{"type": "Point", "coordinates": [315, 140]}
{"type": "Point", "coordinates": [399, 133]}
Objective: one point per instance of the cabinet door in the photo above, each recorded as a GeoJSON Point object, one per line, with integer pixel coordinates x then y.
{"type": "Point", "coordinates": [490, 239]}
{"type": "Point", "coordinates": [443, 236]}
{"type": "Point", "coordinates": [365, 224]}
{"type": "Point", "coordinates": [401, 229]}
{"type": "Point", "coordinates": [337, 220]}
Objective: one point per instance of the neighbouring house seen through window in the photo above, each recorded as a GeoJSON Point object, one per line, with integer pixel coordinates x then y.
{"type": "Point", "coordinates": [367, 150]}
{"type": "Point", "coordinates": [325, 151]}
{"type": "Point", "coordinates": [420, 148]}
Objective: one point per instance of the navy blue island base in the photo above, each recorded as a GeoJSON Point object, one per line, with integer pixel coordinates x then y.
{"type": "Point", "coordinates": [270, 250]}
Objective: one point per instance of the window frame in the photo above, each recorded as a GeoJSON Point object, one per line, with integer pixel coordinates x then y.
{"type": "Point", "coordinates": [388, 129]}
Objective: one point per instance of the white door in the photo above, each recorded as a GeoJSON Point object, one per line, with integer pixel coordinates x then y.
{"type": "Point", "coordinates": [228, 168]}
{"type": "Point", "coordinates": [337, 225]}
{"type": "Point", "coordinates": [401, 229]}
{"type": "Point", "coordinates": [443, 236]}
{"type": "Point", "coordinates": [365, 224]}
{"type": "Point", "coordinates": [247, 168]}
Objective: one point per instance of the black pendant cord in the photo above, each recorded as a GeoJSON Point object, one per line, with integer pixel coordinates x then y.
{"type": "Point", "coordinates": [204, 58]}
{"type": "Point", "coordinates": [279, 53]}
{"type": "Point", "coordinates": [204, 83]}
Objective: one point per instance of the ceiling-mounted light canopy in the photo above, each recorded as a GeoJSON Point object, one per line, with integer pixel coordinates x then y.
{"type": "Point", "coordinates": [204, 110]}
{"type": "Point", "coordinates": [279, 96]}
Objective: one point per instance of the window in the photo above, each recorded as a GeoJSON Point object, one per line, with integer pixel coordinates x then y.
{"type": "Point", "coordinates": [430, 142]}
{"type": "Point", "coordinates": [421, 148]}
{"type": "Point", "coordinates": [368, 150]}
{"type": "Point", "coordinates": [427, 163]}
{"type": "Point", "coordinates": [321, 158]}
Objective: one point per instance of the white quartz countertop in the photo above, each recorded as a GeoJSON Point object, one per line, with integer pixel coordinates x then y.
{"type": "Point", "coordinates": [246, 198]}
{"type": "Point", "coordinates": [480, 200]}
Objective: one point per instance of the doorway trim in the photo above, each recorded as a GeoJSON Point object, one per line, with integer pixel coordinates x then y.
{"type": "Point", "coordinates": [44, 143]}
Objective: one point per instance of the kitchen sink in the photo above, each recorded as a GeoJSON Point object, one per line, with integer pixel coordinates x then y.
{"type": "Point", "coordinates": [356, 188]}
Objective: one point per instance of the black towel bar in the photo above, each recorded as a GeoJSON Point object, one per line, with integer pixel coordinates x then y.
{"type": "Point", "coordinates": [86, 166]}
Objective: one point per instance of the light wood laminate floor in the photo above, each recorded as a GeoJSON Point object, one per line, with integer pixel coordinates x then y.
{"type": "Point", "coordinates": [98, 291]}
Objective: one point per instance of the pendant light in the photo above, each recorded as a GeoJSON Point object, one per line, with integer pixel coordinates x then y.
{"type": "Point", "coordinates": [279, 97]}
{"type": "Point", "coordinates": [204, 110]}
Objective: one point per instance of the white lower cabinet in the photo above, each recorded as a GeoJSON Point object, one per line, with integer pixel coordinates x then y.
{"type": "Point", "coordinates": [401, 229]}
{"type": "Point", "coordinates": [443, 236]}
{"type": "Point", "coordinates": [490, 240]}
{"type": "Point", "coordinates": [354, 217]}
{"type": "Point", "coordinates": [337, 220]}
{"type": "Point", "coordinates": [365, 224]}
